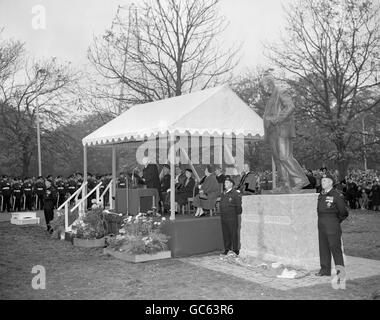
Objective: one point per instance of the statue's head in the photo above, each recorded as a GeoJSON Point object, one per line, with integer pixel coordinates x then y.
{"type": "Point", "coordinates": [267, 82]}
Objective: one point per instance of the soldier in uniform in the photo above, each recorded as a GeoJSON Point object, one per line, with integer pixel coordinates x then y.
{"type": "Point", "coordinates": [71, 185]}
{"type": "Point", "coordinates": [39, 189]}
{"type": "Point", "coordinates": [6, 189]}
{"type": "Point", "coordinates": [17, 193]}
{"type": "Point", "coordinates": [332, 211]}
{"type": "Point", "coordinates": [230, 209]}
{"type": "Point", "coordinates": [121, 181]}
{"type": "Point", "coordinates": [27, 189]}
{"type": "Point", "coordinates": [50, 199]}
{"type": "Point", "coordinates": [61, 187]}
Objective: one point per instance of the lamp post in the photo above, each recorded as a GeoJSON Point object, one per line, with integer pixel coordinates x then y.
{"type": "Point", "coordinates": [364, 142]}
{"type": "Point", "coordinates": [38, 139]}
{"type": "Point", "coordinates": [42, 71]}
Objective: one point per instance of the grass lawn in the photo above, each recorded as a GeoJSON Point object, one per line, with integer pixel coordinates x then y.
{"type": "Point", "coordinates": [79, 273]}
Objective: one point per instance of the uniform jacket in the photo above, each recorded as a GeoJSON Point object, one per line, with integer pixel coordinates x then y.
{"type": "Point", "coordinates": [6, 188]}
{"type": "Point", "coordinates": [331, 205]}
{"type": "Point", "coordinates": [279, 107]}
{"type": "Point", "coordinates": [39, 188]}
{"type": "Point", "coordinates": [17, 190]}
{"type": "Point", "coordinates": [61, 187]}
{"type": "Point", "coordinates": [230, 204]}
{"type": "Point", "coordinates": [50, 198]}
{"type": "Point", "coordinates": [27, 188]}
{"type": "Point", "coordinates": [121, 183]}
{"type": "Point", "coordinates": [72, 186]}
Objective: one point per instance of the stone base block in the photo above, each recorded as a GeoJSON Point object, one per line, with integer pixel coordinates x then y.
{"type": "Point", "coordinates": [281, 228]}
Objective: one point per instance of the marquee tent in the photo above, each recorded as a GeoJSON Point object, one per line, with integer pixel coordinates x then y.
{"type": "Point", "coordinates": [214, 112]}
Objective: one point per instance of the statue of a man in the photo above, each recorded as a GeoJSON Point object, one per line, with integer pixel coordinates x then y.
{"type": "Point", "coordinates": [279, 129]}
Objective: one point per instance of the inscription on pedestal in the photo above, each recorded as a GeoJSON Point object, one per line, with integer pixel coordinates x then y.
{"type": "Point", "coordinates": [281, 228]}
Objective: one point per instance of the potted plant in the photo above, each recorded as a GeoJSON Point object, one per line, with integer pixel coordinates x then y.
{"type": "Point", "coordinates": [140, 239]}
{"type": "Point", "coordinates": [90, 229]}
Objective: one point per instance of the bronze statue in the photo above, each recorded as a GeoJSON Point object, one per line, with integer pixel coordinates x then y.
{"type": "Point", "coordinates": [279, 129]}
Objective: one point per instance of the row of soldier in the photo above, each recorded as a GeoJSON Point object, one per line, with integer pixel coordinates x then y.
{"type": "Point", "coordinates": [18, 194]}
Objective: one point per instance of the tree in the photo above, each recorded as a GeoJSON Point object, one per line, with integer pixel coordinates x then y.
{"type": "Point", "coordinates": [331, 57]}
{"type": "Point", "coordinates": [163, 49]}
{"type": "Point", "coordinates": [24, 86]}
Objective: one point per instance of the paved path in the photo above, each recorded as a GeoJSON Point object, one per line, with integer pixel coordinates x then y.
{"type": "Point", "coordinates": [355, 268]}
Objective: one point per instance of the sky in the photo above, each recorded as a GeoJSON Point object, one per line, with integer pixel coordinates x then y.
{"type": "Point", "coordinates": [70, 25]}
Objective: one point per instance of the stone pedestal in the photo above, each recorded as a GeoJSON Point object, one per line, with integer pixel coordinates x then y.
{"type": "Point", "coordinates": [281, 228]}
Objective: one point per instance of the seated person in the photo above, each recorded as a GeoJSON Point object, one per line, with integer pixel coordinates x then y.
{"type": "Point", "coordinates": [209, 191]}
{"type": "Point", "coordinates": [180, 177]}
{"type": "Point", "coordinates": [185, 190]}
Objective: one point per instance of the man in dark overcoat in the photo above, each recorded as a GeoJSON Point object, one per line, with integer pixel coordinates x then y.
{"type": "Point", "coordinates": [230, 209]}
{"type": "Point", "coordinates": [332, 211]}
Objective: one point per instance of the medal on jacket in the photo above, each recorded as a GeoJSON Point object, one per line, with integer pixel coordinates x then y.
{"type": "Point", "coordinates": [329, 201]}
{"type": "Point", "coordinates": [230, 199]}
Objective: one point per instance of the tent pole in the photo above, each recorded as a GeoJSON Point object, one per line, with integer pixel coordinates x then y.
{"type": "Point", "coordinates": [172, 174]}
{"type": "Point", "coordinates": [85, 168]}
{"type": "Point", "coordinates": [274, 184]}
{"type": "Point", "coordinates": [113, 176]}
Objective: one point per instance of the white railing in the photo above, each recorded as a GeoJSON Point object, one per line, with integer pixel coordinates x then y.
{"type": "Point", "coordinates": [84, 199]}
{"type": "Point", "coordinates": [110, 189]}
{"type": "Point", "coordinates": [67, 203]}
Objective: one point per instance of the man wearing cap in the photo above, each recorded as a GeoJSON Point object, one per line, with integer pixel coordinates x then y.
{"type": "Point", "coordinates": [6, 189]}
{"type": "Point", "coordinates": [17, 193]}
{"type": "Point", "coordinates": [332, 211]}
{"type": "Point", "coordinates": [27, 189]}
{"type": "Point", "coordinates": [230, 209]}
{"type": "Point", "coordinates": [50, 200]}
{"type": "Point", "coordinates": [39, 190]}
{"type": "Point", "coordinates": [61, 189]}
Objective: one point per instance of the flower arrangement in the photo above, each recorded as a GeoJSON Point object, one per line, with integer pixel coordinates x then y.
{"type": "Point", "coordinates": [140, 234]}
{"type": "Point", "coordinates": [91, 225]}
